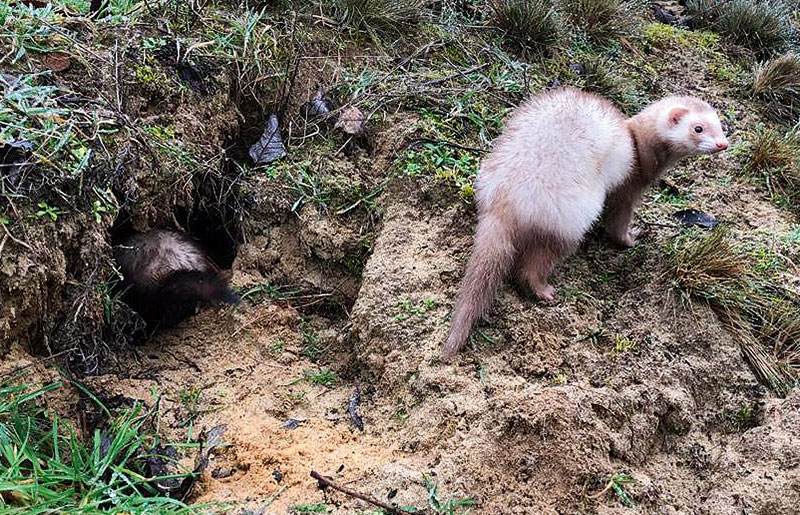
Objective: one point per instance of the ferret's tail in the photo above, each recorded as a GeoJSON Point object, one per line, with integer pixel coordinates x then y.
{"type": "Point", "coordinates": [492, 256]}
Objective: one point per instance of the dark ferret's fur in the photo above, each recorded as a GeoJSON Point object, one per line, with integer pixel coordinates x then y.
{"type": "Point", "coordinates": [166, 276]}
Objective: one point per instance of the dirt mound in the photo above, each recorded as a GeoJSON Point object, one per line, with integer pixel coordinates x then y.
{"type": "Point", "coordinates": [544, 413]}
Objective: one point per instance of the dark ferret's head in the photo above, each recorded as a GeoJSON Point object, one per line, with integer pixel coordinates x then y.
{"type": "Point", "coordinates": [197, 287]}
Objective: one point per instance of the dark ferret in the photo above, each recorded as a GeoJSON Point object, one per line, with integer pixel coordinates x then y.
{"type": "Point", "coordinates": [166, 276]}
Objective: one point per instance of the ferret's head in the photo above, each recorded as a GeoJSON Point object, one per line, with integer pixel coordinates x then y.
{"type": "Point", "coordinates": [198, 286]}
{"type": "Point", "coordinates": [693, 127]}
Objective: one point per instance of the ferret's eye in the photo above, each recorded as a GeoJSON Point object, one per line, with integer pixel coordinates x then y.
{"type": "Point", "coordinates": [698, 129]}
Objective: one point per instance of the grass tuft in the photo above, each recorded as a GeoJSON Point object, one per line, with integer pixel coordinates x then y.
{"type": "Point", "coordinates": [765, 27]}
{"type": "Point", "coordinates": [777, 83]}
{"type": "Point", "coordinates": [775, 157]}
{"type": "Point", "coordinates": [373, 16]}
{"type": "Point", "coordinates": [760, 311]}
{"type": "Point", "coordinates": [601, 20]}
{"type": "Point", "coordinates": [769, 149]}
{"type": "Point", "coordinates": [45, 467]}
{"type": "Point", "coordinates": [703, 265]}
{"type": "Point", "coordinates": [444, 164]}
{"type": "Point", "coordinates": [529, 24]}
{"type": "Point", "coordinates": [603, 79]}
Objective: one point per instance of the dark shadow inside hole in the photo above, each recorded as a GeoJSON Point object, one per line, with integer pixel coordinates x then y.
{"type": "Point", "coordinates": [121, 229]}
{"type": "Point", "coordinates": [215, 233]}
{"type": "Point", "coordinates": [238, 144]}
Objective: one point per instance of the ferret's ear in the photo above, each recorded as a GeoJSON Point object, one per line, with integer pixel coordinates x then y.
{"type": "Point", "coordinates": [676, 113]}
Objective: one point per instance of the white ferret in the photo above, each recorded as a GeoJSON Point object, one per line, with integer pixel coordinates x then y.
{"type": "Point", "coordinates": [562, 157]}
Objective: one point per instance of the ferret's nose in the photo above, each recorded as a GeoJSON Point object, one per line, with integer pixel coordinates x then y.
{"type": "Point", "coordinates": [722, 145]}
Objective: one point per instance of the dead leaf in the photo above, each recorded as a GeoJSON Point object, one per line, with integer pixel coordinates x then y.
{"type": "Point", "coordinates": [269, 147]}
{"type": "Point", "coordinates": [292, 423]}
{"type": "Point", "coordinates": [352, 409]}
{"type": "Point", "coordinates": [14, 156]}
{"type": "Point", "coordinates": [318, 105]}
{"type": "Point", "coordinates": [695, 217]}
{"type": "Point", "coordinates": [57, 61]}
{"type": "Point", "coordinates": [213, 437]}
{"type": "Point", "coordinates": [161, 463]}
{"type": "Point", "coordinates": [352, 121]}
{"type": "Point", "coordinates": [36, 4]}
{"type": "Point", "coordinates": [8, 81]}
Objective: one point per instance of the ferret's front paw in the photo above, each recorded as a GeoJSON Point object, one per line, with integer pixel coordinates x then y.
{"type": "Point", "coordinates": [629, 240]}
{"type": "Point", "coordinates": [546, 293]}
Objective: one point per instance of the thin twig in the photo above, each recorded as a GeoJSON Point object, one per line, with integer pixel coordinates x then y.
{"type": "Point", "coordinates": [116, 75]}
{"type": "Point", "coordinates": [326, 481]}
{"type": "Point", "coordinates": [455, 75]}
{"type": "Point", "coordinates": [15, 240]}
{"type": "Point", "coordinates": [447, 143]}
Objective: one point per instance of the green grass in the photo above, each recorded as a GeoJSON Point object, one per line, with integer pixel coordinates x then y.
{"type": "Point", "coordinates": [671, 197]}
{"type": "Point", "coordinates": [444, 164]}
{"type": "Point", "coordinates": [32, 111]}
{"type": "Point", "coordinates": [451, 505]}
{"type": "Point", "coordinates": [248, 43]}
{"type": "Point", "coordinates": [323, 377]}
{"type": "Point", "coordinates": [46, 467]}
{"type": "Point", "coordinates": [192, 401]}
{"type": "Point", "coordinates": [616, 485]}
{"type": "Point", "coordinates": [375, 16]}
{"type": "Point", "coordinates": [311, 344]}
{"type": "Point", "coordinates": [256, 294]}
{"type": "Point", "coordinates": [407, 308]}
{"type": "Point", "coordinates": [604, 78]}
{"type": "Point", "coordinates": [316, 181]}
{"type": "Point", "coordinates": [740, 420]}
{"type": "Point", "coordinates": [25, 30]}
{"type": "Point", "coordinates": [658, 35]}
{"type": "Point", "coordinates": [622, 345]}
{"type": "Point", "coordinates": [618, 482]}
{"type": "Point", "coordinates": [602, 20]}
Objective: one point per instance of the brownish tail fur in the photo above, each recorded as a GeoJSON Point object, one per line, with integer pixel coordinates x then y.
{"type": "Point", "coordinates": [492, 258]}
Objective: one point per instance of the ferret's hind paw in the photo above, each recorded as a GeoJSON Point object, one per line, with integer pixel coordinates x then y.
{"type": "Point", "coordinates": [629, 240]}
{"type": "Point", "coordinates": [546, 294]}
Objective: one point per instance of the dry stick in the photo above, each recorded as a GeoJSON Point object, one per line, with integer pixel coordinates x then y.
{"type": "Point", "coordinates": [326, 481]}
{"type": "Point", "coordinates": [15, 240]}
{"type": "Point", "coordinates": [630, 47]}
{"type": "Point", "coordinates": [116, 75]}
{"type": "Point", "coordinates": [447, 143]}
{"type": "Point", "coordinates": [37, 361]}
{"type": "Point", "coordinates": [461, 73]}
